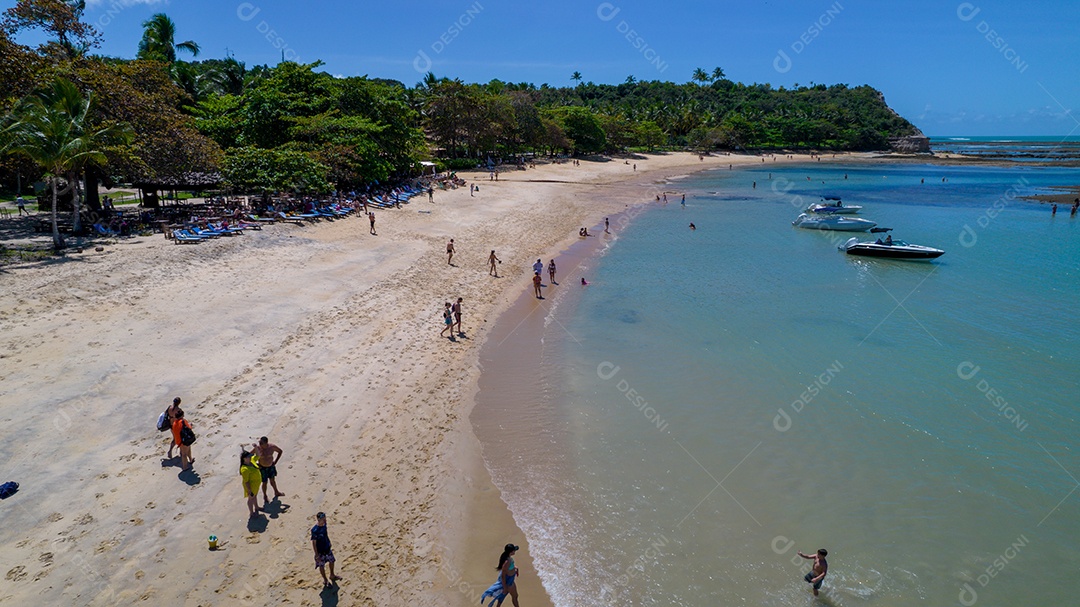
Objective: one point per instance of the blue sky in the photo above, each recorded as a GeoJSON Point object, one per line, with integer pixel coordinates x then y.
{"type": "Point", "coordinates": [986, 67]}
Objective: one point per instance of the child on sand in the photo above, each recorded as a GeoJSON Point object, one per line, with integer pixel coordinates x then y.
{"type": "Point", "coordinates": [320, 543]}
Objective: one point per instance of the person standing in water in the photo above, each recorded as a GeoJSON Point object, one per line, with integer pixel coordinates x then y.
{"type": "Point", "coordinates": [821, 567]}
{"type": "Point", "coordinates": [606, 225]}
{"type": "Point", "coordinates": [551, 271]}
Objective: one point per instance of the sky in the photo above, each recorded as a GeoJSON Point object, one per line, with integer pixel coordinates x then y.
{"type": "Point", "coordinates": [979, 68]}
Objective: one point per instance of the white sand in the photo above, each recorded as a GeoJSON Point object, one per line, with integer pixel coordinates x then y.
{"type": "Point", "coordinates": [322, 337]}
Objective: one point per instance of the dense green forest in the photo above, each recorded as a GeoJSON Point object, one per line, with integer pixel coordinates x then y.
{"type": "Point", "coordinates": [293, 127]}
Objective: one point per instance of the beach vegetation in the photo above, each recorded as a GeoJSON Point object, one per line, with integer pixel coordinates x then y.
{"type": "Point", "coordinates": [215, 118]}
{"type": "Point", "coordinates": [54, 128]}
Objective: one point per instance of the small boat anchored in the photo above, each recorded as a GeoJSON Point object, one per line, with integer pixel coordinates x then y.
{"type": "Point", "coordinates": [889, 248]}
{"type": "Point", "coordinates": [834, 207]}
{"type": "Point", "coordinates": [832, 222]}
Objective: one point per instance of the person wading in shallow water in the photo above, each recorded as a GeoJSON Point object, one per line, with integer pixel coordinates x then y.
{"type": "Point", "coordinates": [821, 567]}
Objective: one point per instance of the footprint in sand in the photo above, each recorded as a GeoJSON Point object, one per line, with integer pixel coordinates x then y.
{"type": "Point", "coordinates": [16, 574]}
{"type": "Point", "coordinates": [85, 519]}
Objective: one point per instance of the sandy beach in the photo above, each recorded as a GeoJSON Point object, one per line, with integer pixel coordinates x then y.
{"type": "Point", "coordinates": [323, 338]}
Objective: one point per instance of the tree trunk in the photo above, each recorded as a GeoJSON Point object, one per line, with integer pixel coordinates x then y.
{"type": "Point", "coordinates": [76, 205]}
{"type": "Point", "coordinates": [58, 244]}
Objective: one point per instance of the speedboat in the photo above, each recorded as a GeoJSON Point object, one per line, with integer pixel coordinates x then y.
{"type": "Point", "coordinates": [832, 222]}
{"type": "Point", "coordinates": [893, 249]}
{"type": "Point", "coordinates": [834, 207]}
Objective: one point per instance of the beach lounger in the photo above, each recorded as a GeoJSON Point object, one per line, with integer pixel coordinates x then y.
{"type": "Point", "coordinates": [103, 231]}
{"type": "Point", "coordinates": [182, 236]}
{"type": "Point", "coordinates": [291, 218]}
{"type": "Point", "coordinates": [205, 233]}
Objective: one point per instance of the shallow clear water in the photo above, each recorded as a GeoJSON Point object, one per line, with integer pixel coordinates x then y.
{"type": "Point", "coordinates": [717, 399]}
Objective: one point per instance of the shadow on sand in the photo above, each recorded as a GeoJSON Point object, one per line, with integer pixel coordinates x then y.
{"type": "Point", "coordinates": [190, 477]}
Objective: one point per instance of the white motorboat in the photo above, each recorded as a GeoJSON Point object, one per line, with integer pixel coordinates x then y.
{"type": "Point", "coordinates": [832, 222]}
{"type": "Point", "coordinates": [834, 208]}
{"type": "Point", "coordinates": [893, 249]}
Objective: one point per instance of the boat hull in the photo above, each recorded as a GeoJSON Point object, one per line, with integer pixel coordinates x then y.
{"type": "Point", "coordinates": [894, 252]}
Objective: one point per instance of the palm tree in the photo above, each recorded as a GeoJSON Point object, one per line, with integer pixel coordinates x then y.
{"type": "Point", "coordinates": [52, 127]}
{"type": "Point", "coordinates": [576, 77]}
{"type": "Point", "coordinates": [700, 75]}
{"type": "Point", "coordinates": [158, 41]}
{"type": "Point", "coordinates": [717, 74]}
{"type": "Point", "coordinates": [630, 79]}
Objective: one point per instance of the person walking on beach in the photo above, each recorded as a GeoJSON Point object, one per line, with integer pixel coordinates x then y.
{"type": "Point", "coordinates": [821, 567]}
{"type": "Point", "coordinates": [551, 271]}
{"type": "Point", "coordinates": [171, 416]}
{"type": "Point", "coordinates": [536, 285]}
{"type": "Point", "coordinates": [493, 260]}
{"type": "Point", "coordinates": [324, 555]}
{"type": "Point", "coordinates": [250, 478]}
{"type": "Point", "coordinates": [606, 226]}
{"type": "Point", "coordinates": [538, 267]}
{"type": "Point", "coordinates": [508, 571]}
{"type": "Point", "coordinates": [448, 321]}
{"type": "Point", "coordinates": [457, 315]}
{"type": "Point", "coordinates": [179, 424]}
{"type": "Point", "coordinates": [269, 454]}
{"type": "Point", "coordinates": [431, 194]}
{"type": "Point", "coordinates": [449, 252]}
{"type": "Point", "coordinates": [371, 218]}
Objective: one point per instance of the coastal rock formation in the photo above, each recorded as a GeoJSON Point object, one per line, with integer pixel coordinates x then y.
{"type": "Point", "coordinates": [911, 144]}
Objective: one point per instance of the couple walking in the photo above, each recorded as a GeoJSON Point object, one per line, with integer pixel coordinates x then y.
{"type": "Point", "coordinates": [452, 318]}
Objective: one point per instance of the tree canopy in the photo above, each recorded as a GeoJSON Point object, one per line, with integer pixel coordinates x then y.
{"type": "Point", "coordinates": [219, 115]}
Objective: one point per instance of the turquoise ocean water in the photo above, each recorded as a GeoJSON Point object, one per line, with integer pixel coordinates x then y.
{"type": "Point", "coordinates": [716, 400]}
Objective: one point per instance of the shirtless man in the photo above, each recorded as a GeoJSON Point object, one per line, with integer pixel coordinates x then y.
{"type": "Point", "coordinates": [493, 260]}
{"type": "Point", "coordinates": [449, 252]}
{"type": "Point", "coordinates": [821, 567]}
{"type": "Point", "coordinates": [269, 454]}
{"type": "Point", "coordinates": [456, 308]}
{"type": "Point", "coordinates": [536, 285]}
